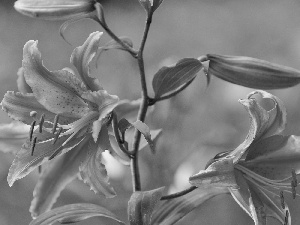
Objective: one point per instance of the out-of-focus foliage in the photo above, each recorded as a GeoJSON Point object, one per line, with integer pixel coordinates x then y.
{"type": "Point", "coordinates": [198, 123]}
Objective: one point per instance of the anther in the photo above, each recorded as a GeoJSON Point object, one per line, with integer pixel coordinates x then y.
{"type": "Point", "coordinates": [42, 119]}
{"type": "Point", "coordinates": [40, 168]}
{"type": "Point", "coordinates": [286, 219]}
{"type": "Point", "coordinates": [33, 114]}
{"type": "Point", "coordinates": [293, 189]}
{"type": "Point", "coordinates": [31, 130]}
{"type": "Point", "coordinates": [55, 124]}
{"type": "Point", "coordinates": [57, 135]}
{"type": "Point", "coordinates": [294, 176]}
{"type": "Point", "coordinates": [33, 145]}
{"type": "Point", "coordinates": [282, 200]}
{"type": "Point", "coordinates": [55, 153]}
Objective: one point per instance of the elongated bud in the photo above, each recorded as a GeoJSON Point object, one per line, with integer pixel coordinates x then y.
{"type": "Point", "coordinates": [251, 72]}
{"type": "Point", "coordinates": [55, 9]}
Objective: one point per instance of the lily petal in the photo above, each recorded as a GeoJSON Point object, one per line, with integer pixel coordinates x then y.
{"type": "Point", "coordinates": [24, 162]}
{"type": "Point", "coordinates": [18, 107]}
{"type": "Point", "coordinates": [58, 91]}
{"type": "Point", "coordinates": [82, 57]}
{"type": "Point", "coordinates": [277, 115]}
{"type": "Point", "coordinates": [93, 172]}
{"type": "Point", "coordinates": [54, 178]}
{"type": "Point", "coordinates": [259, 118]}
{"type": "Point", "coordinates": [12, 136]}
{"type": "Point", "coordinates": [218, 174]}
{"type": "Point", "coordinates": [23, 87]}
{"type": "Point", "coordinates": [275, 157]}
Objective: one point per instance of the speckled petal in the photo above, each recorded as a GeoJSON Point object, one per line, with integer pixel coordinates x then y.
{"type": "Point", "coordinates": [218, 174]}
{"type": "Point", "coordinates": [82, 57]}
{"type": "Point", "coordinates": [58, 91]}
{"type": "Point", "coordinates": [55, 176]}
{"type": "Point", "coordinates": [18, 107]}
{"type": "Point", "coordinates": [24, 162]}
{"type": "Point", "coordinates": [275, 157]}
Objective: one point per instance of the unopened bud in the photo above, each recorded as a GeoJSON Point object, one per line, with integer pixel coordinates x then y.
{"type": "Point", "coordinates": [55, 9]}
{"type": "Point", "coordinates": [251, 72]}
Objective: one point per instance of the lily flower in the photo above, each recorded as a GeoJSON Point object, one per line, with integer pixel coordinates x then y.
{"type": "Point", "coordinates": [261, 169]}
{"type": "Point", "coordinates": [66, 115]}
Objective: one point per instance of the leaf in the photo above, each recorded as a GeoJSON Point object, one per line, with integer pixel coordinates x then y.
{"type": "Point", "coordinates": [170, 78]}
{"type": "Point", "coordinates": [144, 129]}
{"type": "Point", "coordinates": [155, 134]}
{"type": "Point", "coordinates": [55, 176]}
{"type": "Point", "coordinates": [93, 172]}
{"type": "Point", "coordinates": [123, 125]}
{"type": "Point", "coordinates": [141, 206]}
{"type": "Point", "coordinates": [171, 211]}
{"type": "Point", "coordinates": [73, 213]}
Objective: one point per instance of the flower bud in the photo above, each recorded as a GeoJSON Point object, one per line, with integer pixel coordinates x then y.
{"type": "Point", "coordinates": [55, 9]}
{"type": "Point", "coordinates": [251, 72]}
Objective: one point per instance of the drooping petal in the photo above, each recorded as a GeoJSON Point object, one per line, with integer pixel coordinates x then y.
{"type": "Point", "coordinates": [93, 172]}
{"type": "Point", "coordinates": [24, 162]}
{"type": "Point", "coordinates": [55, 176]}
{"type": "Point", "coordinates": [82, 57]}
{"type": "Point", "coordinates": [275, 157]}
{"type": "Point", "coordinates": [277, 115]}
{"type": "Point", "coordinates": [263, 123]}
{"type": "Point", "coordinates": [18, 107]}
{"type": "Point", "coordinates": [12, 136]}
{"type": "Point", "coordinates": [58, 91]}
{"type": "Point", "coordinates": [218, 174]}
{"type": "Point", "coordinates": [258, 123]}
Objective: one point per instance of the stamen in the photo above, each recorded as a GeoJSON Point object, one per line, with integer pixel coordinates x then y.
{"type": "Point", "coordinates": [55, 124]}
{"type": "Point", "coordinates": [286, 219]}
{"type": "Point", "coordinates": [294, 176]}
{"type": "Point", "coordinates": [55, 153]}
{"type": "Point", "coordinates": [31, 130]}
{"type": "Point", "coordinates": [282, 200]}
{"type": "Point", "coordinates": [40, 168]}
{"type": "Point", "coordinates": [33, 145]}
{"type": "Point", "coordinates": [294, 193]}
{"type": "Point", "coordinates": [57, 135]}
{"type": "Point", "coordinates": [42, 119]}
{"type": "Point", "coordinates": [33, 114]}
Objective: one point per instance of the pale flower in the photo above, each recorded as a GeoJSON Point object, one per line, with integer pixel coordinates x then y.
{"type": "Point", "coordinates": [65, 113]}
{"type": "Point", "coordinates": [261, 169]}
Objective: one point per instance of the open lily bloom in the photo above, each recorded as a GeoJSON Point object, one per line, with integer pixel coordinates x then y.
{"type": "Point", "coordinates": [263, 168]}
{"type": "Point", "coordinates": [64, 112]}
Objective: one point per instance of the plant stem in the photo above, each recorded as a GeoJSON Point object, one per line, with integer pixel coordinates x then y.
{"type": "Point", "coordinates": [178, 194]}
{"type": "Point", "coordinates": [143, 109]}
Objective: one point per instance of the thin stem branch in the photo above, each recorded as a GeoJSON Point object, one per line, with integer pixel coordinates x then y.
{"type": "Point", "coordinates": [153, 101]}
{"type": "Point", "coordinates": [143, 108]}
{"type": "Point", "coordinates": [178, 194]}
{"type": "Point", "coordinates": [117, 134]}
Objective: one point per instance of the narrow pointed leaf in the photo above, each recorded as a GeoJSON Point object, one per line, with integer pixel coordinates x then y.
{"type": "Point", "coordinates": [171, 211]}
{"type": "Point", "coordinates": [141, 206]}
{"type": "Point", "coordinates": [93, 172]}
{"type": "Point", "coordinates": [55, 176]}
{"type": "Point", "coordinates": [144, 129]}
{"type": "Point", "coordinates": [168, 79]}
{"type": "Point", "coordinates": [73, 213]}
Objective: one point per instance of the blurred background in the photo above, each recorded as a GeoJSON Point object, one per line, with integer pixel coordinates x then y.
{"type": "Point", "coordinates": [197, 124]}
